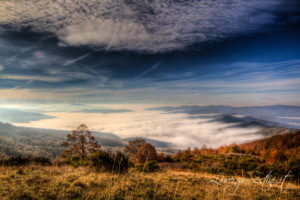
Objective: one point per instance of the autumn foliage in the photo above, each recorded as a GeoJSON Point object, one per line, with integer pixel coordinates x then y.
{"type": "Point", "coordinates": [146, 152]}
{"type": "Point", "coordinates": [277, 154]}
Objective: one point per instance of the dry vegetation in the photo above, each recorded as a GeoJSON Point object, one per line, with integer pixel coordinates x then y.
{"type": "Point", "coordinates": [49, 182]}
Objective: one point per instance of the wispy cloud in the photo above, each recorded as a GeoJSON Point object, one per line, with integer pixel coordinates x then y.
{"type": "Point", "coordinates": [118, 25]}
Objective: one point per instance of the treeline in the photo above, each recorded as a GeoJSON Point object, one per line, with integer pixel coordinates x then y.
{"type": "Point", "coordinates": [21, 161]}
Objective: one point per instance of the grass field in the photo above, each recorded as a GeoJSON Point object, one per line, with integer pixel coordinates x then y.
{"type": "Point", "coordinates": [36, 182]}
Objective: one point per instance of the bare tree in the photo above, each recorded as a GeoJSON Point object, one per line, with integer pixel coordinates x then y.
{"type": "Point", "coordinates": [80, 143]}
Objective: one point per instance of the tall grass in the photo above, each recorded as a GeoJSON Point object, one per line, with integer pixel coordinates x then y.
{"type": "Point", "coordinates": [49, 182]}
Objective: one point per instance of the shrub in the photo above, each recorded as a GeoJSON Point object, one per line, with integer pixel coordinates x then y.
{"type": "Point", "coordinates": [149, 166]}
{"type": "Point", "coordinates": [294, 166]}
{"type": "Point", "coordinates": [16, 161]}
{"type": "Point", "coordinates": [120, 163]}
{"type": "Point", "coordinates": [104, 161]}
{"type": "Point", "coordinates": [41, 161]}
{"type": "Point", "coordinates": [262, 170]}
{"type": "Point", "coordinates": [100, 160]}
{"type": "Point", "coordinates": [75, 161]}
{"type": "Point", "coordinates": [168, 158]}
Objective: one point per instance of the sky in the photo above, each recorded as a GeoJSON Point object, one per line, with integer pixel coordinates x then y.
{"type": "Point", "coordinates": [67, 61]}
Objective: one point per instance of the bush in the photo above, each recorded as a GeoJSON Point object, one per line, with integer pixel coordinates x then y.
{"type": "Point", "coordinates": [149, 166]}
{"type": "Point", "coordinates": [74, 161]}
{"type": "Point", "coordinates": [104, 161]}
{"type": "Point", "coordinates": [294, 166]}
{"type": "Point", "coordinates": [120, 163]}
{"type": "Point", "coordinates": [262, 170]}
{"type": "Point", "coordinates": [16, 161]}
{"type": "Point", "coordinates": [41, 161]}
{"type": "Point", "coordinates": [100, 160]}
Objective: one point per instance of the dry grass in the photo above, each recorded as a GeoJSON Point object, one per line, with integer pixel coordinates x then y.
{"type": "Point", "coordinates": [81, 183]}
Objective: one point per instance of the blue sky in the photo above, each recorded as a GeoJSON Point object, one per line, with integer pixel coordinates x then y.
{"type": "Point", "coordinates": [152, 53]}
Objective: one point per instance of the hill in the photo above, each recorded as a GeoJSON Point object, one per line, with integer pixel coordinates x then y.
{"type": "Point", "coordinates": [276, 148]}
{"type": "Point", "coordinates": [23, 141]}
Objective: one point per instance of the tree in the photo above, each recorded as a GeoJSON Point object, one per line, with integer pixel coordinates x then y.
{"type": "Point", "coordinates": [234, 149]}
{"type": "Point", "coordinates": [80, 143]}
{"type": "Point", "coordinates": [186, 155]}
{"type": "Point", "coordinates": [145, 153]}
{"type": "Point", "coordinates": [133, 146]}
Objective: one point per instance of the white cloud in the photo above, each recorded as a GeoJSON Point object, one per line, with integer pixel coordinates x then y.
{"type": "Point", "coordinates": [178, 129]}
{"type": "Point", "coordinates": [152, 26]}
{"type": "Point", "coordinates": [1, 68]}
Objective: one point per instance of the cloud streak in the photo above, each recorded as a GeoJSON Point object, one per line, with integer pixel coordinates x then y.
{"type": "Point", "coordinates": [155, 66]}
{"type": "Point", "coordinates": [72, 61]}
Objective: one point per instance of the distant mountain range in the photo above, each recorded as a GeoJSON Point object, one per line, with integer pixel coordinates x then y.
{"type": "Point", "coordinates": [274, 115]}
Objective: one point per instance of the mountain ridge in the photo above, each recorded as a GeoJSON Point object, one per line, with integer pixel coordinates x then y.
{"type": "Point", "coordinates": [283, 115]}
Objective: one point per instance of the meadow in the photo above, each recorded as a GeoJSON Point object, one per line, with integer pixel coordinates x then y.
{"type": "Point", "coordinates": [65, 182]}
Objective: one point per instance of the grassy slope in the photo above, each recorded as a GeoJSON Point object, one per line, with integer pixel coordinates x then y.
{"type": "Point", "coordinates": [81, 183]}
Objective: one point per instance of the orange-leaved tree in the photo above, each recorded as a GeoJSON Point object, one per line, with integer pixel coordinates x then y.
{"type": "Point", "coordinates": [133, 146]}
{"type": "Point", "coordinates": [146, 152]}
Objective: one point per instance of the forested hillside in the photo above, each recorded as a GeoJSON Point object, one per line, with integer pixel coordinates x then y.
{"type": "Point", "coordinates": [22, 141]}
{"type": "Point", "coordinates": [277, 154]}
